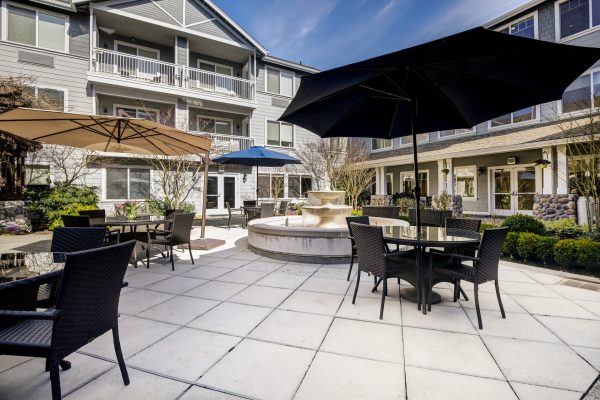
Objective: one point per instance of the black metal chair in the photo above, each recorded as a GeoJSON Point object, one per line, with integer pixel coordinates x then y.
{"type": "Point", "coordinates": [374, 259]}
{"type": "Point", "coordinates": [363, 219]}
{"type": "Point", "coordinates": [179, 234]}
{"type": "Point", "coordinates": [86, 308]}
{"type": "Point", "coordinates": [67, 240]}
{"type": "Point", "coordinates": [283, 205]}
{"type": "Point", "coordinates": [96, 216]}
{"type": "Point", "coordinates": [465, 224]}
{"type": "Point", "coordinates": [230, 214]}
{"type": "Point", "coordinates": [484, 269]}
{"type": "Point", "coordinates": [76, 221]}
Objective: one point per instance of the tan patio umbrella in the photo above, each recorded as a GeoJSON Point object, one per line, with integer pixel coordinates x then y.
{"type": "Point", "coordinates": [107, 133]}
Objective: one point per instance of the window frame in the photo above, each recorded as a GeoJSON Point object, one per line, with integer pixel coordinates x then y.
{"type": "Point", "coordinates": [533, 121]}
{"type": "Point", "coordinates": [411, 173]}
{"type": "Point", "coordinates": [200, 60]}
{"type": "Point", "coordinates": [138, 47]}
{"type": "Point", "coordinates": [215, 118]}
{"type": "Point", "coordinates": [267, 68]}
{"type": "Point", "coordinates": [475, 181]}
{"type": "Point", "coordinates": [65, 91]}
{"type": "Point", "coordinates": [534, 14]}
{"type": "Point", "coordinates": [584, 32]}
{"type": "Point", "coordinates": [427, 139]}
{"type": "Point", "coordinates": [128, 168]}
{"type": "Point", "coordinates": [4, 9]}
{"type": "Point", "coordinates": [584, 111]}
{"type": "Point", "coordinates": [455, 135]}
{"type": "Point", "coordinates": [372, 150]}
{"type": "Point", "coordinates": [137, 109]}
{"type": "Point", "coordinates": [300, 177]}
{"type": "Point", "coordinates": [267, 120]}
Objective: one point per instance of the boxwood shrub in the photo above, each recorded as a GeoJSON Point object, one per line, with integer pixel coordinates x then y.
{"type": "Point", "coordinates": [577, 253]}
{"type": "Point", "coordinates": [544, 249]}
{"type": "Point", "coordinates": [510, 244]}
{"type": "Point", "coordinates": [527, 245]}
{"type": "Point", "coordinates": [524, 223]}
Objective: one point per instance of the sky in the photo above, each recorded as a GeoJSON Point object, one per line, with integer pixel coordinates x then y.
{"type": "Point", "coordinates": [330, 33]}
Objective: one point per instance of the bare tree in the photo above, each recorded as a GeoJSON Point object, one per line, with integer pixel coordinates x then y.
{"type": "Point", "coordinates": [69, 165]}
{"type": "Point", "coordinates": [581, 134]}
{"type": "Point", "coordinates": [178, 178]}
{"type": "Point", "coordinates": [352, 176]}
{"type": "Point", "coordinates": [322, 158]}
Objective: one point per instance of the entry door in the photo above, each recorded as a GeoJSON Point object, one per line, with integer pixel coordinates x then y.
{"type": "Point", "coordinates": [513, 189]}
{"type": "Point", "coordinates": [222, 189]}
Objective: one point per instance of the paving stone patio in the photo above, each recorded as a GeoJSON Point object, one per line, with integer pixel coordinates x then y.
{"type": "Point", "coordinates": [237, 325]}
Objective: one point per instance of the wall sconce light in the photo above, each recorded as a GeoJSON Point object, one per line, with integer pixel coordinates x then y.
{"type": "Point", "coordinates": [480, 170]}
{"type": "Point", "coordinates": [245, 177]}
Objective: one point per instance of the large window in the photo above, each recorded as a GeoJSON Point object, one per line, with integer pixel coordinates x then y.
{"type": "Point", "coordinates": [280, 134]}
{"type": "Point", "coordinates": [280, 82]}
{"type": "Point", "coordinates": [421, 137]}
{"type": "Point", "coordinates": [36, 28]}
{"type": "Point", "coordinates": [127, 183]}
{"type": "Point", "coordinates": [37, 176]}
{"type": "Point", "coordinates": [584, 172]}
{"type": "Point", "coordinates": [454, 132]}
{"type": "Point", "coordinates": [271, 186]}
{"type": "Point", "coordinates": [298, 185]}
{"type": "Point", "coordinates": [53, 99]}
{"type": "Point", "coordinates": [524, 115]}
{"type": "Point", "coordinates": [407, 182]}
{"type": "Point", "coordinates": [221, 126]}
{"type": "Point", "coordinates": [214, 67]}
{"type": "Point", "coordinates": [380, 144]}
{"type": "Point", "coordinates": [524, 27]}
{"type": "Point", "coordinates": [465, 182]}
{"type": "Point", "coordinates": [150, 114]}
{"type": "Point", "coordinates": [577, 16]}
{"type": "Point", "coordinates": [582, 94]}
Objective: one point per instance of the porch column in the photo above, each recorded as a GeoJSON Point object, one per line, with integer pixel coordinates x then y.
{"type": "Point", "coordinates": [450, 176]}
{"type": "Point", "coordinates": [379, 180]}
{"type": "Point", "coordinates": [441, 186]}
{"type": "Point", "coordinates": [548, 172]}
{"type": "Point", "coordinates": [182, 115]}
{"type": "Point", "coordinates": [182, 51]}
{"type": "Point", "coordinates": [562, 173]}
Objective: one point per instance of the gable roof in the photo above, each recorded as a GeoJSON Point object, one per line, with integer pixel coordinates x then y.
{"type": "Point", "coordinates": [512, 13]}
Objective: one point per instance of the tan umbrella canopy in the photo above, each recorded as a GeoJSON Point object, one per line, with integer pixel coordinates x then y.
{"type": "Point", "coordinates": [106, 133]}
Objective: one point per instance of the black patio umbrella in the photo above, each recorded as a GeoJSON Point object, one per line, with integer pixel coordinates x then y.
{"type": "Point", "coordinates": [455, 82]}
{"type": "Point", "coordinates": [257, 156]}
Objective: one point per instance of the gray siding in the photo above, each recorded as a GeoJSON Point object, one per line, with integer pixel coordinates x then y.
{"type": "Point", "coordinates": [173, 7]}
{"type": "Point", "coordinates": [146, 9]}
{"type": "Point", "coordinates": [217, 29]}
{"type": "Point", "coordinates": [546, 22]}
{"type": "Point", "coordinates": [195, 13]}
{"type": "Point", "coordinates": [182, 50]}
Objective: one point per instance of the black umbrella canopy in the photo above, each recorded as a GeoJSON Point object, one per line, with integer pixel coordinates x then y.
{"type": "Point", "coordinates": [450, 83]}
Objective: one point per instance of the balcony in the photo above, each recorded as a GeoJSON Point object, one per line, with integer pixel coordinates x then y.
{"type": "Point", "coordinates": [223, 144]}
{"type": "Point", "coordinates": [171, 77]}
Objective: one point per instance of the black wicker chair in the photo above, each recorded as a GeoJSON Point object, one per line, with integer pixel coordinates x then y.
{"type": "Point", "coordinates": [283, 205]}
{"type": "Point", "coordinates": [249, 203]}
{"type": "Point", "coordinates": [96, 216]}
{"type": "Point", "coordinates": [180, 232]}
{"type": "Point", "coordinates": [374, 259]}
{"type": "Point", "coordinates": [364, 219]}
{"type": "Point", "coordinates": [86, 307]}
{"type": "Point", "coordinates": [267, 210]}
{"type": "Point", "coordinates": [67, 240]}
{"type": "Point", "coordinates": [112, 236]}
{"type": "Point", "coordinates": [76, 221]}
{"type": "Point", "coordinates": [484, 269]}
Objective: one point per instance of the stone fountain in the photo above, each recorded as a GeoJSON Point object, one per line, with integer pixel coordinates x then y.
{"type": "Point", "coordinates": [326, 210]}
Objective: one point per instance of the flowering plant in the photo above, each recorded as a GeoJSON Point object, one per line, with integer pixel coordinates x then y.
{"type": "Point", "coordinates": [129, 209]}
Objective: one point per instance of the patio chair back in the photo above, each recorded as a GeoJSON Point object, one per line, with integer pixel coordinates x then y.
{"type": "Point", "coordinates": [266, 210]}
{"type": "Point", "coordinates": [67, 240]}
{"type": "Point", "coordinates": [490, 250]}
{"type": "Point", "coordinates": [363, 219]}
{"type": "Point", "coordinates": [249, 203]}
{"type": "Point", "coordinates": [169, 213]}
{"type": "Point", "coordinates": [94, 215]}
{"type": "Point", "coordinates": [370, 248]}
{"type": "Point", "coordinates": [88, 296]}
{"type": "Point", "coordinates": [465, 224]}
{"type": "Point", "coordinates": [76, 221]}
{"type": "Point", "coordinates": [283, 204]}
{"type": "Point", "coordinates": [182, 228]}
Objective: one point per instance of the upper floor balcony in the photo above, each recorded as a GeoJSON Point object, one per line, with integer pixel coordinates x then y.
{"type": "Point", "coordinates": [149, 72]}
{"type": "Point", "coordinates": [223, 144]}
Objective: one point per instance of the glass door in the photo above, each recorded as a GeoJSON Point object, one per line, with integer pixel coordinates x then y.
{"type": "Point", "coordinates": [222, 189]}
{"type": "Point", "coordinates": [525, 189]}
{"type": "Point", "coordinates": [502, 192]}
{"type": "Point", "coordinates": [513, 190]}
{"type": "Point", "coordinates": [212, 196]}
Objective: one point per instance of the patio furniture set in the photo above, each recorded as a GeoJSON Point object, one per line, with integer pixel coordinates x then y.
{"type": "Point", "coordinates": [250, 210]}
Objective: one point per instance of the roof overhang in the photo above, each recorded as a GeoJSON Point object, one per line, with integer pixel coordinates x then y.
{"type": "Point", "coordinates": [501, 19]}
{"type": "Point", "coordinates": [289, 64]}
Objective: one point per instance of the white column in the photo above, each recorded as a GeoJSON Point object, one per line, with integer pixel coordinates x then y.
{"type": "Point", "coordinates": [548, 172]}
{"type": "Point", "coordinates": [562, 184]}
{"type": "Point", "coordinates": [377, 180]}
{"type": "Point", "coordinates": [441, 164]}
{"type": "Point", "coordinates": [450, 177]}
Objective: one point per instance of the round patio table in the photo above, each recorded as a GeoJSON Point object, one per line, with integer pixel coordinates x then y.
{"type": "Point", "coordinates": [421, 240]}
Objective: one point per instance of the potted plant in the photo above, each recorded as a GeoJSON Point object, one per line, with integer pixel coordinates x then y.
{"type": "Point", "coordinates": [129, 209]}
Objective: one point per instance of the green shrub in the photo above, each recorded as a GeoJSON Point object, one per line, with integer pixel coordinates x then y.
{"type": "Point", "coordinates": [524, 223]}
{"type": "Point", "coordinates": [158, 206]}
{"type": "Point", "coordinates": [564, 227]}
{"type": "Point", "coordinates": [405, 203]}
{"type": "Point", "coordinates": [356, 213]}
{"type": "Point", "coordinates": [61, 200]}
{"type": "Point", "coordinates": [577, 253]}
{"type": "Point", "coordinates": [544, 249]}
{"type": "Point", "coordinates": [565, 253]}
{"type": "Point", "coordinates": [526, 245]}
{"type": "Point", "coordinates": [510, 244]}
{"type": "Point", "coordinates": [485, 226]}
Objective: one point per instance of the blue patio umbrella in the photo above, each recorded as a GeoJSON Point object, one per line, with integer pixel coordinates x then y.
{"type": "Point", "coordinates": [258, 156]}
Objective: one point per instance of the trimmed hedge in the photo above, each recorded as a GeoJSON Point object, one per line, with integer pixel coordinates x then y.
{"type": "Point", "coordinates": [526, 245]}
{"type": "Point", "coordinates": [578, 253]}
{"type": "Point", "coordinates": [510, 244]}
{"type": "Point", "coordinates": [524, 223]}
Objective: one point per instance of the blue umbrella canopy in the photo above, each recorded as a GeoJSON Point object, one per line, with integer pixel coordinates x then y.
{"type": "Point", "coordinates": [257, 156]}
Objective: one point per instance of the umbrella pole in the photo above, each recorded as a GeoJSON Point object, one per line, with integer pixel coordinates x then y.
{"type": "Point", "coordinates": [257, 182]}
{"type": "Point", "coordinates": [204, 196]}
{"type": "Point", "coordinates": [415, 165]}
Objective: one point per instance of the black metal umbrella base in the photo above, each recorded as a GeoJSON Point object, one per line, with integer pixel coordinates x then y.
{"type": "Point", "coordinates": [410, 294]}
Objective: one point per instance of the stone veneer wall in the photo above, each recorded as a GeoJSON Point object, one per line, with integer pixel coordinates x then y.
{"type": "Point", "coordinates": [555, 206]}
{"type": "Point", "coordinates": [12, 216]}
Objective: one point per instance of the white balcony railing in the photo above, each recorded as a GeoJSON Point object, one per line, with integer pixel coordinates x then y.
{"type": "Point", "coordinates": [223, 144]}
{"type": "Point", "coordinates": [109, 62]}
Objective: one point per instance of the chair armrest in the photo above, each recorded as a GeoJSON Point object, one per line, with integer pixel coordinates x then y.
{"type": "Point", "coordinates": [113, 230]}
{"type": "Point", "coordinates": [33, 281]}
{"type": "Point", "coordinates": [12, 314]}
{"type": "Point", "coordinates": [159, 231]}
{"type": "Point", "coordinates": [453, 255]}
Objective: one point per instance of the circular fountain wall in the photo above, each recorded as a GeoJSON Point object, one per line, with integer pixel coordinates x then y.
{"type": "Point", "coordinates": [320, 235]}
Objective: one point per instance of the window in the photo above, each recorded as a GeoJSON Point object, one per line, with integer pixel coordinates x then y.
{"type": "Point", "coordinates": [577, 16]}
{"type": "Point", "coordinates": [465, 182]}
{"type": "Point", "coordinates": [138, 51]}
{"type": "Point", "coordinates": [127, 183]}
{"type": "Point", "coordinates": [214, 67]}
{"type": "Point", "coordinates": [524, 28]}
{"type": "Point", "coordinates": [407, 182]}
{"type": "Point", "coordinates": [453, 132]}
{"type": "Point", "coordinates": [421, 137]}
{"type": "Point", "coordinates": [581, 174]}
{"type": "Point", "coordinates": [280, 82]}
{"type": "Point", "coordinates": [280, 134]}
{"type": "Point", "coordinates": [219, 126]}
{"type": "Point", "coordinates": [36, 28]}
{"type": "Point", "coordinates": [271, 186]}
{"type": "Point", "coordinates": [524, 115]}
{"type": "Point", "coordinates": [37, 175]}
{"type": "Point", "coordinates": [380, 144]}
{"type": "Point", "coordinates": [53, 99]}
{"type": "Point", "coordinates": [298, 185]}
{"type": "Point", "coordinates": [150, 114]}
{"type": "Point", "coordinates": [582, 94]}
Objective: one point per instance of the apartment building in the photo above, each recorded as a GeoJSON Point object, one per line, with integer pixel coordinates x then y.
{"type": "Point", "coordinates": [183, 63]}
{"type": "Point", "coordinates": [498, 166]}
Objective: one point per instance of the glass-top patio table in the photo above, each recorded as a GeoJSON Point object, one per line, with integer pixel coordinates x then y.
{"type": "Point", "coordinates": [421, 240]}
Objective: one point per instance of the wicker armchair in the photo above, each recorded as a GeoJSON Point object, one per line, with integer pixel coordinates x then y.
{"type": "Point", "coordinates": [267, 210]}
{"type": "Point", "coordinates": [484, 269]}
{"type": "Point", "coordinates": [181, 229]}
{"type": "Point", "coordinates": [374, 259]}
{"type": "Point", "coordinates": [464, 224]}
{"type": "Point", "coordinates": [357, 220]}
{"type": "Point", "coordinates": [67, 240]}
{"type": "Point", "coordinates": [96, 216]}
{"type": "Point", "coordinates": [86, 307]}
{"type": "Point", "coordinates": [84, 220]}
{"type": "Point", "coordinates": [283, 205]}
